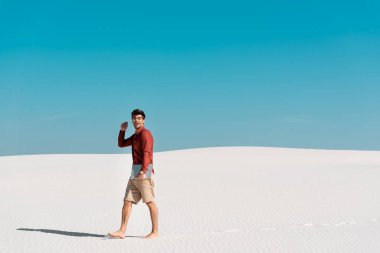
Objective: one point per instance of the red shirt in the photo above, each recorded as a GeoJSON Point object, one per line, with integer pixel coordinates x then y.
{"type": "Point", "coordinates": [142, 147]}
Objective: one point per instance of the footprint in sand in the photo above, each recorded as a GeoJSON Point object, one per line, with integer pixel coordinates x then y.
{"type": "Point", "coordinates": [228, 231]}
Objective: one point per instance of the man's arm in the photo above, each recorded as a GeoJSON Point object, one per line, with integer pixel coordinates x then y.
{"type": "Point", "coordinates": [124, 143]}
{"type": "Point", "coordinates": [147, 147]}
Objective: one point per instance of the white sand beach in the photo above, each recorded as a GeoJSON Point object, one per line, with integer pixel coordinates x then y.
{"type": "Point", "coordinates": [224, 199]}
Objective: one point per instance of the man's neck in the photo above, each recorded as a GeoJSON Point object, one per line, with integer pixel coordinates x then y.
{"type": "Point", "coordinates": [138, 130]}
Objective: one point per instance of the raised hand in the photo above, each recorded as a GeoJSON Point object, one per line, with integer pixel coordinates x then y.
{"type": "Point", "coordinates": [124, 126]}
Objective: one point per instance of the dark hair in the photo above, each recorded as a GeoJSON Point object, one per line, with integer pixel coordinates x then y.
{"type": "Point", "coordinates": [136, 112]}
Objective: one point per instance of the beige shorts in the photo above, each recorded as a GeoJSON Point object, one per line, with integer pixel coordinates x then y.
{"type": "Point", "coordinates": [138, 189]}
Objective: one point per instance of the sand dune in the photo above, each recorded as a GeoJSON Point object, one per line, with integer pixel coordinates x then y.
{"type": "Point", "coordinates": [228, 199]}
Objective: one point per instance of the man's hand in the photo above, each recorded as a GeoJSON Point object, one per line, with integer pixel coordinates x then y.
{"type": "Point", "coordinates": [141, 176]}
{"type": "Point", "coordinates": [124, 126]}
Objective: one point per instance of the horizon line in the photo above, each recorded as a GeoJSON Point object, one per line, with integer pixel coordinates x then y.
{"type": "Point", "coordinates": [207, 147]}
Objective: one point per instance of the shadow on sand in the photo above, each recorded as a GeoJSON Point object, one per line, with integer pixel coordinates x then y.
{"type": "Point", "coordinates": [67, 233]}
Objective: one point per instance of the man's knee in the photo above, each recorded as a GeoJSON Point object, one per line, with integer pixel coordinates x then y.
{"type": "Point", "coordinates": [150, 203]}
{"type": "Point", "coordinates": [127, 203]}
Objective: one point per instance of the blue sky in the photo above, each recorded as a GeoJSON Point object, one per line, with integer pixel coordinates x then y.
{"type": "Point", "coordinates": [301, 74]}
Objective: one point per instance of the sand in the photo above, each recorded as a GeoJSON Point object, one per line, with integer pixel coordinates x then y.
{"type": "Point", "coordinates": [225, 199]}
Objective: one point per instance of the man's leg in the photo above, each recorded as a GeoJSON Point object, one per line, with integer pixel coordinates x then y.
{"type": "Point", "coordinates": [127, 208]}
{"type": "Point", "coordinates": [154, 218]}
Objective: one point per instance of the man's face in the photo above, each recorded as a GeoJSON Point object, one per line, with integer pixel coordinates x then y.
{"type": "Point", "coordinates": [137, 121]}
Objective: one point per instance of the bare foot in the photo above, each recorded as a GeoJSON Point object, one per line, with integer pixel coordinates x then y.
{"type": "Point", "coordinates": [151, 236]}
{"type": "Point", "coordinates": [117, 235]}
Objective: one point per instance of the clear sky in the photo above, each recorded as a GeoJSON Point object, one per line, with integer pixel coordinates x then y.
{"type": "Point", "coordinates": [299, 74]}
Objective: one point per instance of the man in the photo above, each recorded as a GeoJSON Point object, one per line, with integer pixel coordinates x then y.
{"type": "Point", "coordinates": [140, 184]}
